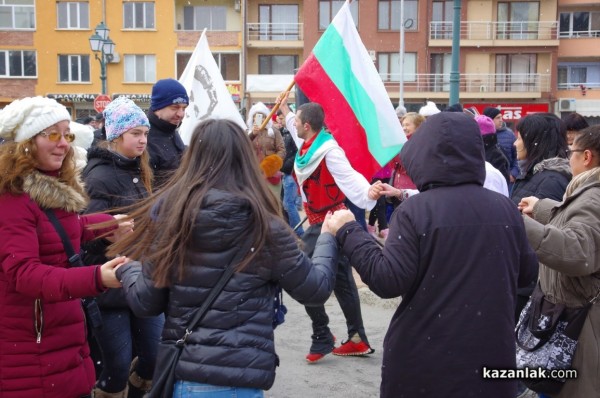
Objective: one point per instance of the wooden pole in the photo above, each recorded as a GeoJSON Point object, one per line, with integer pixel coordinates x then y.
{"type": "Point", "coordinates": [276, 106]}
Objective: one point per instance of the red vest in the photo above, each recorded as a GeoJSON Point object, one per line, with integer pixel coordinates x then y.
{"type": "Point", "coordinates": [322, 194]}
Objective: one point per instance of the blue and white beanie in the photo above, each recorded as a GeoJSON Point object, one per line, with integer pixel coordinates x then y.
{"type": "Point", "coordinates": [121, 115]}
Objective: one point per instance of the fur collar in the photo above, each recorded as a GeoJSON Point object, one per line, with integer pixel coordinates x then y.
{"type": "Point", "coordinates": [50, 193]}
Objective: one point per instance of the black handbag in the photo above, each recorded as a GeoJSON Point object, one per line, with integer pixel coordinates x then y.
{"type": "Point", "coordinates": [169, 351]}
{"type": "Point", "coordinates": [546, 337]}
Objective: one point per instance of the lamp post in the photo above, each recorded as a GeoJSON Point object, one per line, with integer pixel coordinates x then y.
{"type": "Point", "coordinates": [101, 43]}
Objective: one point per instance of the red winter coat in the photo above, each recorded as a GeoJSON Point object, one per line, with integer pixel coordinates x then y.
{"type": "Point", "coordinates": [43, 342]}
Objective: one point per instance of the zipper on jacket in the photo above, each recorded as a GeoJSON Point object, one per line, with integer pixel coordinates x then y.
{"type": "Point", "coordinates": [38, 322]}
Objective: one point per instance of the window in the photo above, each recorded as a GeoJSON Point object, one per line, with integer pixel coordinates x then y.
{"type": "Point", "coordinates": [74, 68]}
{"type": "Point", "coordinates": [229, 64]}
{"type": "Point", "coordinates": [516, 72]}
{"type": "Point", "coordinates": [278, 22]}
{"type": "Point", "coordinates": [138, 15]}
{"type": "Point", "coordinates": [389, 67]}
{"type": "Point", "coordinates": [140, 68]}
{"type": "Point", "coordinates": [328, 9]}
{"type": "Point", "coordinates": [580, 24]}
{"type": "Point", "coordinates": [18, 63]}
{"type": "Point", "coordinates": [442, 14]}
{"type": "Point", "coordinates": [277, 64]}
{"type": "Point", "coordinates": [200, 17]}
{"type": "Point", "coordinates": [73, 15]}
{"type": "Point", "coordinates": [389, 15]}
{"type": "Point", "coordinates": [440, 67]}
{"type": "Point", "coordinates": [571, 75]}
{"type": "Point", "coordinates": [17, 14]}
{"type": "Point", "coordinates": [518, 20]}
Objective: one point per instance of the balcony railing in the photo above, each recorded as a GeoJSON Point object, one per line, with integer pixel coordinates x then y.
{"type": "Point", "coordinates": [275, 31]}
{"type": "Point", "coordinates": [483, 30]}
{"type": "Point", "coordinates": [514, 82]}
{"type": "Point", "coordinates": [579, 34]}
{"type": "Point", "coordinates": [578, 86]}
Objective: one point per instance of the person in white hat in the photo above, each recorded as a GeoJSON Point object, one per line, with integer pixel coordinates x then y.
{"type": "Point", "coordinates": [43, 342]}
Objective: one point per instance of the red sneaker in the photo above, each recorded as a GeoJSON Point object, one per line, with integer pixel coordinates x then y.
{"type": "Point", "coordinates": [349, 348]}
{"type": "Point", "coordinates": [313, 357]}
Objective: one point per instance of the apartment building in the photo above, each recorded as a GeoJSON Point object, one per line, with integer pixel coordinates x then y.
{"type": "Point", "coordinates": [524, 56]}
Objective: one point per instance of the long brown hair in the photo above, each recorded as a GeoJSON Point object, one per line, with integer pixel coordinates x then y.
{"type": "Point", "coordinates": [219, 156]}
{"type": "Point", "coordinates": [17, 160]}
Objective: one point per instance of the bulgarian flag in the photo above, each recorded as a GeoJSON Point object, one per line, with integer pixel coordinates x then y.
{"type": "Point", "coordinates": [340, 75]}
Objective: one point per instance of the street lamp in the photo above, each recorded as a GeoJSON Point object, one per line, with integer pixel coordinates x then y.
{"type": "Point", "coordinates": [101, 43]}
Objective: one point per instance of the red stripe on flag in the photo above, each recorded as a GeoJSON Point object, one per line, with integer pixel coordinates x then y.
{"type": "Point", "coordinates": [339, 117]}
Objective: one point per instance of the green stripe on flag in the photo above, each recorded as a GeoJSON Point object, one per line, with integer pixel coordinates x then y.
{"type": "Point", "coordinates": [335, 60]}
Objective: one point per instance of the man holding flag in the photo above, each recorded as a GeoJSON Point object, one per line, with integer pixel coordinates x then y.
{"type": "Point", "coordinates": [326, 179]}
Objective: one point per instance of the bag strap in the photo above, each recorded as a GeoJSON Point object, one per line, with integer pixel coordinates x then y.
{"type": "Point", "coordinates": [215, 291]}
{"type": "Point", "coordinates": [73, 257]}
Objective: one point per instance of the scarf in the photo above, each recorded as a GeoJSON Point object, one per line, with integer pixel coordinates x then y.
{"type": "Point", "coordinates": [304, 165]}
{"type": "Point", "coordinates": [581, 179]}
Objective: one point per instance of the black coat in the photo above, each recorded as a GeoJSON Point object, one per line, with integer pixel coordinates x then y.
{"type": "Point", "coordinates": [548, 179]}
{"type": "Point", "coordinates": [455, 253]}
{"type": "Point", "coordinates": [165, 148]}
{"type": "Point", "coordinates": [495, 156]}
{"type": "Point", "coordinates": [290, 151]}
{"type": "Point", "coordinates": [233, 346]}
{"type": "Point", "coordinates": [111, 181]}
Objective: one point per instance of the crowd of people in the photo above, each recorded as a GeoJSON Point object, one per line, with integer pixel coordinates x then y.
{"type": "Point", "coordinates": [113, 235]}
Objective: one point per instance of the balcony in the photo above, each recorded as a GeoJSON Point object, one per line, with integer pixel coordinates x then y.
{"type": "Point", "coordinates": [217, 38]}
{"type": "Point", "coordinates": [275, 35]}
{"type": "Point", "coordinates": [484, 34]}
{"type": "Point", "coordinates": [472, 85]}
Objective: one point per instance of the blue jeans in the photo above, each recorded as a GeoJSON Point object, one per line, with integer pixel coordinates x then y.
{"type": "Point", "coordinates": [123, 334]}
{"type": "Point", "coordinates": [190, 389]}
{"type": "Point", "coordinates": [290, 193]}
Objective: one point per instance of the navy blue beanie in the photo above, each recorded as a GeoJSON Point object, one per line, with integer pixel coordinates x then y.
{"type": "Point", "coordinates": [168, 92]}
{"type": "Point", "coordinates": [491, 112]}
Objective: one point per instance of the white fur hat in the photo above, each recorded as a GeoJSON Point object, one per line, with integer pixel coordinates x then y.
{"type": "Point", "coordinates": [84, 134]}
{"type": "Point", "coordinates": [429, 110]}
{"type": "Point", "coordinates": [25, 118]}
{"type": "Point", "coordinates": [259, 107]}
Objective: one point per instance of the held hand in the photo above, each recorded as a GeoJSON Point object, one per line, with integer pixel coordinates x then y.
{"type": "Point", "coordinates": [325, 227]}
{"type": "Point", "coordinates": [125, 227]}
{"type": "Point", "coordinates": [107, 272]}
{"type": "Point", "coordinates": [338, 219]}
{"type": "Point", "coordinates": [389, 190]}
{"type": "Point", "coordinates": [375, 190]}
{"type": "Point", "coordinates": [255, 129]}
{"type": "Point", "coordinates": [527, 204]}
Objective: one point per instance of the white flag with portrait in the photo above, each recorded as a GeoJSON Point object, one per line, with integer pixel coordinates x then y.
{"type": "Point", "coordinates": [209, 97]}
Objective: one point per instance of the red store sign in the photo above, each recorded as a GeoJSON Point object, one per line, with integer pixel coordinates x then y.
{"type": "Point", "coordinates": [512, 111]}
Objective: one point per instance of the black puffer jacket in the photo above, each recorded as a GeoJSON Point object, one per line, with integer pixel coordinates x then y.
{"type": "Point", "coordinates": [111, 181]}
{"type": "Point", "coordinates": [548, 179]}
{"type": "Point", "coordinates": [495, 156]}
{"type": "Point", "coordinates": [165, 148]}
{"type": "Point", "coordinates": [233, 345]}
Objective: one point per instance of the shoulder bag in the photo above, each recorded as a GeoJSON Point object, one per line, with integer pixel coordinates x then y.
{"type": "Point", "coordinates": [546, 337]}
{"type": "Point", "coordinates": [169, 351]}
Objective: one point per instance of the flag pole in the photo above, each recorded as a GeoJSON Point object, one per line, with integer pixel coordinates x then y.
{"type": "Point", "coordinates": [276, 106]}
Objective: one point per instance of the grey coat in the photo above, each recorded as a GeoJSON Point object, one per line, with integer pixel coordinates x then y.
{"type": "Point", "coordinates": [566, 238]}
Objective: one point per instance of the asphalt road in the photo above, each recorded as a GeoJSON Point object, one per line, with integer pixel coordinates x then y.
{"type": "Point", "coordinates": [333, 376]}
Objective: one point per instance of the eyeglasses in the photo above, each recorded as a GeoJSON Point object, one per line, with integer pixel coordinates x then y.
{"type": "Point", "coordinates": [570, 152]}
{"type": "Point", "coordinates": [55, 136]}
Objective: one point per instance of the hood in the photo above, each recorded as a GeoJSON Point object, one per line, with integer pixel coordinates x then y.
{"type": "Point", "coordinates": [446, 150]}
{"type": "Point", "coordinates": [259, 107]}
{"type": "Point", "coordinates": [51, 193]}
{"type": "Point", "coordinates": [99, 155]}
{"type": "Point", "coordinates": [560, 165]}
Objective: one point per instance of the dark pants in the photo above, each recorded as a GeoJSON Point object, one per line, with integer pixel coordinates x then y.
{"type": "Point", "coordinates": [347, 295]}
{"type": "Point", "coordinates": [121, 335]}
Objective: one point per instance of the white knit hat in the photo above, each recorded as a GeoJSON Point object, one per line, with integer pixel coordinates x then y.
{"type": "Point", "coordinates": [429, 110]}
{"type": "Point", "coordinates": [25, 118]}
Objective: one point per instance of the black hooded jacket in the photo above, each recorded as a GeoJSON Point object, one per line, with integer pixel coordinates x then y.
{"type": "Point", "coordinates": [111, 181]}
{"type": "Point", "coordinates": [455, 253]}
{"type": "Point", "coordinates": [165, 148]}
